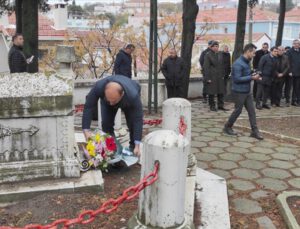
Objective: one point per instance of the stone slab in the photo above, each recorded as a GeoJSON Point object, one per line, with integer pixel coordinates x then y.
{"type": "Point", "coordinates": [90, 181]}
{"type": "Point", "coordinates": [211, 194]}
{"type": "Point", "coordinates": [265, 223]}
{"type": "Point", "coordinates": [259, 194]}
{"type": "Point", "coordinates": [246, 206]}
{"type": "Point", "coordinates": [285, 211]}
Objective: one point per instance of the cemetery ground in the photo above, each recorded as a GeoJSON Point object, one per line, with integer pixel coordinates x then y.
{"type": "Point", "coordinates": [255, 171]}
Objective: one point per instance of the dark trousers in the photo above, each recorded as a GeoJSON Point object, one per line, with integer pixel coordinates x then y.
{"type": "Point", "coordinates": [175, 91]}
{"type": "Point", "coordinates": [287, 88]}
{"type": "Point", "coordinates": [263, 93]}
{"type": "Point", "coordinates": [204, 93]}
{"type": "Point", "coordinates": [241, 100]}
{"type": "Point", "coordinates": [254, 88]}
{"type": "Point", "coordinates": [296, 90]}
{"type": "Point", "coordinates": [276, 92]}
{"type": "Point", "coordinates": [108, 115]}
{"type": "Point", "coordinates": [220, 98]}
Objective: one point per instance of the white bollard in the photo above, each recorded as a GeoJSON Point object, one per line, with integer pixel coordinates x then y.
{"type": "Point", "coordinates": [161, 205]}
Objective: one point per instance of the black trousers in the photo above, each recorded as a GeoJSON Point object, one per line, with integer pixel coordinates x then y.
{"type": "Point", "coordinates": [287, 88]}
{"type": "Point", "coordinates": [276, 92]}
{"type": "Point", "coordinates": [220, 98]}
{"type": "Point", "coordinates": [254, 88]}
{"type": "Point", "coordinates": [204, 91]}
{"type": "Point", "coordinates": [108, 115]}
{"type": "Point", "coordinates": [296, 90]}
{"type": "Point", "coordinates": [263, 93]}
{"type": "Point", "coordinates": [175, 92]}
{"type": "Point", "coordinates": [241, 100]}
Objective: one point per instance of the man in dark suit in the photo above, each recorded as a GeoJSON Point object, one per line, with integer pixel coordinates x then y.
{"type": "Point", "coordinates": [227, 65]}
{"type": "Point", "coordinates": [124, 61]}
{"type": "Point", "coordinates": [258, 55]}
{"type": "Point", "coordinates": [16, 58]}
{"type": "Point", "coordinates": [116, 92]}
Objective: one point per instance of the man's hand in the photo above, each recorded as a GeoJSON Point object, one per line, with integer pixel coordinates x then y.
{"type": "Point", "coordinates": [87, 134]}
{"type": "Point", "coordinates": [137, 150]}
{"type": "Point", "coordinates": [256, 77]}
{"type": "Point", "coordinates": [208, 81]}
{"type": "Point", "coordinates": [280, 75]}
{"type": "Point", "coordinates": [291, 74]}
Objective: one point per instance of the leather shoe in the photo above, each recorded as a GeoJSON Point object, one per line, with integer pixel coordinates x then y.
{"type": "Point", "coordinates": [258, 106]}
{"type": "Point", "coordinates": [294, 104]}
{"type": "Point", "coordinates": [228, 130]}
{"type": "Point", "coordinates": [213, 109]}
{"type": "Point", "coordinates": [223, 109]}
{"type": "Point", "coordinates": [257, 135]}
{"type": "Point", "coordinates": [266, 106]}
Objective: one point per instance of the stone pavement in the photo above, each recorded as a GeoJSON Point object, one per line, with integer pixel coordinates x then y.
{"type": "Point", "coordinates": [253, 169]}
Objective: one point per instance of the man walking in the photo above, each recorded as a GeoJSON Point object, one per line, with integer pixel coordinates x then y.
{"type": "Point", "coordinates": [124, 61]}
{"type": "Point", "coordinates": [214, 77]}
{"type": "Point", "coordinates": [267, 67]}
{"type": "Point", "coordinates": [258, 55]}
{"type": "Point", "coordinates": [294, 58]}
{"type": "Point", "coordinates": [282, 71]}
{"type": "Point", "coordinates": [201, 61]}
{"type": "Point", "coordinates": [116, 92]}
{"type": "Point", "coordinates": [241, 89]}
{"type": "Point", "coordinates": [173, 70]}
{"type": "Point", "coordinates": [16, 58]}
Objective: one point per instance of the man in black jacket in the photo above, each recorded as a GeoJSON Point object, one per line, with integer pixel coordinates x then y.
{"type": "Point", "coordinates": [124, 61]}
{"type": "Point", "coordinates": [173, 70]}
{"type": "Point", "coordinates": [227, 65]}
{"type": "Point", "coordinates": [16, 58]}
{"type": "Point", "coordinates": [258, 55]}
{"type": "Point", "coordinates": [267, 67]}
{"type": "Point", "coordinates": [116, 92]}
{"type": "Point", "coordinates": [294, 57]}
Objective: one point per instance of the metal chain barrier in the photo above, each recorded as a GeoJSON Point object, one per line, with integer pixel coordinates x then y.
{"type": "Point", "coordinates": [107, 207]}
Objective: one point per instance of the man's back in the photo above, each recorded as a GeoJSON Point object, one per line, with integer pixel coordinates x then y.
{"type": "Point", "coordinates": [16, 60]}
{"type": "Point", "coordinates": [123, 64]}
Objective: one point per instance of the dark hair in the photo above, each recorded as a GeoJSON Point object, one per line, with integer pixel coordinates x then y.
{"type": "Point", "coordinates": [287, 48]}
{"type": "Point", "coordinates": [14, 37]}
{"type": "Point", "coordinates": [130, 46]}
{"type": "Point", "coordinates": [249, 47]}
{"type": "Point", "coordinates": [266, 44]}
{"type": "Point", "coordinates": [274, 48]}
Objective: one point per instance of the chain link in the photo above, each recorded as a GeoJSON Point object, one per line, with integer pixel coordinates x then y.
{"type": "Point", "coordinates": [107, 207]}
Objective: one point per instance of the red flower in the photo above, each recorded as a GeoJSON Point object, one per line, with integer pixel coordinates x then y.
{"type": "Point", "coordinates": [110, 144]}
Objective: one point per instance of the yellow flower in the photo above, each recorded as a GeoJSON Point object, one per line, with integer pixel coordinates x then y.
{"type": "Point", "coordinates": [97, 138]}
{"type": "Point", "coordinates": [91, 148]}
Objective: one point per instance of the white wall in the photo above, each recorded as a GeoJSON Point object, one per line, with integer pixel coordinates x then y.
{"type": "Point", "coordinates": [4, 53]}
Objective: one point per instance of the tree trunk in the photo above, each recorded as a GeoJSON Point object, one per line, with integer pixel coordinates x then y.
{"type": "Point", "coordinates": [190, 12]}
{"type": "Point", "coordinates": [18, 10]}
{"type": "Point", "coordinates": [240, 29]}
{"type": "Point", "coordinates": [282, 9]}
{"type": "Point", "coordinates": [30, 32]}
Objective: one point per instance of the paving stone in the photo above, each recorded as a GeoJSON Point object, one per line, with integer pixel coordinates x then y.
{"type": "Point", "coordinates": [195, 134]}
{"type": "Point", "coordinates": [289, 145]}
{"type": "Point", "coordinates": [295, 182]}
{"type": "Point", "coordinates": [280, 164]}
{"type": "Point", "coordinates": [243, 144]}
{"type": "Point", "coordinates": [246, 206]}
{"type": "Point", "coordinates": [297, 162]}
{"type": "Point", "coordinates": [198, 130]}
{"type": "Point", "coordinates": [251, 164]}
{"type": "Point", "coordinates": [206, 157]}
{"type": "Point", "coordinates": [265, 223]}
{"type": "Point", "coordinates": [259, 194]}
{"type": "Point", "coordinates": [234, 149]}
{"type": "Point", "coordinates": [241, 185]}
{"type": "Point", "coordinates": [245, 174]}
{"type": "Point", "coordinates": [272, 184]}
{"type": "Point", "coordinates": [287, 150]}
{"type": "Point", "coordinates": [227, 138]}
{"type": "Point", "coordinates": [203, 139]}
{"type": "Point", "coordinates": [284, 156]}
{"type": "Point", "coordinates": [210, 134]}
{"type": "Point", "coordinates": [266, 144]}
{"type": "Point", "coordinates": [231, 156]}
{"type": "Point", "coordinates": [198, 144]}
{"type": "Point", "coordinates": [219, 144]}
{"type": "Point", "coordinates": [258, 156]}
{"type": "Point", "coordinates": [202, 165]}
{"type": "Point", "coordinates": [195, 150]}
{"type": "Point", "coordinates": [215, 129]}
{"type": "Point", "coordinates": [262, 150]}
{"type": "Point", "coordinates": [276, 173]}
{"type": "Point", "coordinates": [247, 139]}
{"type": "Point", "coordinates": [213, 150]}
{"type": "Point", "coordinates": [203, 125]}
{"type": "Point", "coordinates": [296, 171]}
{"type": "Point", "coordinates": [222, 164]}
{"type": "Point", "coordinates": [221, 173]}
{"type": "Point", "coordinates": [230, 192]}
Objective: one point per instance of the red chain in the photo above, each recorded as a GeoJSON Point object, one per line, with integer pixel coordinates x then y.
{"type": "Point", "coordinates": [182, 126]}
{"type": "Point", "coordinates": [109, 206]}
{"type": "Point", "coordinates": [153, 122]}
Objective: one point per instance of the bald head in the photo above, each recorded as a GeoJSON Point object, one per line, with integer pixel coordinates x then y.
{"type": "Point", "coordinates": [113, 93]}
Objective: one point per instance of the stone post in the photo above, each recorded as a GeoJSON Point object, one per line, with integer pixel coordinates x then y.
{"type": "Point", "coordinates": [162, 204]}
{"type": "Point", "coordinates": [175, 111]}
{"type": "Point", "coordinates": [65, 56]}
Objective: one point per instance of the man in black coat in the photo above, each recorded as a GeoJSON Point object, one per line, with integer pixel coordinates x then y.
{"type": "Point", "coordinates": [258, 55]}
{"type": "Point", "coordinates": [173, 70]}
{"type": "Point", "coordinates": [201, 61]}
{"type": "Point", "coordinates": [294, 57]}
{"type": "Point", "coordinates": [267, 66]}
{"type": "Point", "coordinates": [227, 65]}
{"type": "Point", "coordinates": [124, 61]}
{"type": "Point", "coordinates": [116, 92]}
{"type": "Point", "coordinates": [16, 58]}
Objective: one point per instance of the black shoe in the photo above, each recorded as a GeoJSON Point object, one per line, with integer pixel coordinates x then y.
{"type": "Point", "coordinates": [257, 135]}
{"type": "Point", "coordinates": [294, 104]}
{"type": "Point", "coordinates": [258, 106]}
{"type": "Point", "coordinates": [277, 105]}
{"type": "Point", "coordinates": [223, 109]}
{"type": "Point", "coordinates": [266, 106]}
{"type": "Point", "coordinates": [229, 131]}
{"type": "Point", "coordinates": [213, 109]}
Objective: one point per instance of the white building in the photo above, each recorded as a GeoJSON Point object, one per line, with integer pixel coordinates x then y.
{"type": "Point", "coordinates": [108, 8]}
